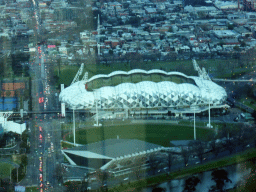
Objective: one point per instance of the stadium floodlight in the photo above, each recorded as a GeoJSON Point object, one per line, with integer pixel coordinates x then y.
{"type": "Point", "coordinates": [209, 102]}
{"type": "Point", "coordinates": [97, 95]}
{"type": "Point", "coordinates": [74, 127]}
{"type": "Point", "coordinates": [194, 107]}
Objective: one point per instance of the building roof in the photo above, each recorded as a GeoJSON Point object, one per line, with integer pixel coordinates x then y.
{"type": "Point", "coordinates": [116, 148]}
{"type": "Point", "coordinates": [181, 90]}
{"type": "Point", "coordinates": [181, 142]}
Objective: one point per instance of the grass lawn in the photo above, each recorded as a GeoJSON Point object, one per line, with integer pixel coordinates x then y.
{"type": "Point", "coordinates": [67, 73]}
{"type": "Point", "coordinates": [160, 134]}
{"type": "Point", "coordinates": [247, 101]}
{"type": "Point", "coordinates": [5, 170]}
{"type": "Point", "coordinates": [32, 189]}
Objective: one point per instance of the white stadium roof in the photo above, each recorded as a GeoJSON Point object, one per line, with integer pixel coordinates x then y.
{"type": "Point", "coordinates": [144, 94]}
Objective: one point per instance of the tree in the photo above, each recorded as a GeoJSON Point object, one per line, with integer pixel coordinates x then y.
{"type": "Point", "coordinates": [220, 177]}
{"type": "Point", "coordinates": [191, 183]}
{"type": "Point", "coordinates": [153, 162]}
{"type": "Point", "coordinates": [59, 173]}
{"type": "Point", "coordinates": [236, 48]}
{"type": "Point", "coordinates": [185, 154]}
{"type": "Point", "coordinates": [169, 159]}
{"type": "Point", "coordinates": [198, 148]}
{"type": "Point", "coordinates": [24, 160]}
{"type": "Point", "coordinates": [8, 93]}
{"type": "Point", "coordinates": [230, 26]}
{"type": "Point", "coordinates": [84, 184]}
{"type": "Point", "coordinates": [243, 44]}
{"type": "Point", "coordinates": [102, 175]}
{"type": "Point", "coordinates": [215, 147]}
{"type": "Point", "coordinates": [158, 189]}
{"type": "Point", "coordinates": [137, 166]}
{"type": "Point", "coordinates": [72, 187]}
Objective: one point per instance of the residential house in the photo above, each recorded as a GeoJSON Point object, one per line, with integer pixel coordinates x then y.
{"type": "Point", "coordinates": [224, 34]}
{"type": "Point", "coordinates": [242, 31]}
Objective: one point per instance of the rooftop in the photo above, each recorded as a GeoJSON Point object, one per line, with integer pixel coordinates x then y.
{"type": "Point", "coordinates": [114, 148]}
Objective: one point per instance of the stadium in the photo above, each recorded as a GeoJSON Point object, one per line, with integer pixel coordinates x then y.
{"type": "Point", "coordinates": [140, 91]}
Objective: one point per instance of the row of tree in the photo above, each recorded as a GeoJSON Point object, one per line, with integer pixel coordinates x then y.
{"type": "Point", "coordinates": [219, 176]}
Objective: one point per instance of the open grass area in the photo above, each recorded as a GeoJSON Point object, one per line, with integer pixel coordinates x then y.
{"type": "Point", "coordinates": [32, 189]}
{"type": "Point", "coordinates": [5, 170]}
{"type": "Point", "coordinates": [67, 73]}
{"type": "Point", "coordinates": [160, 134]}
{"type": "Point", "coordinates": [249, 102]}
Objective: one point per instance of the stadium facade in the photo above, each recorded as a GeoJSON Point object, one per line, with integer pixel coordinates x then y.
{"type": "Point", "coordinates": [145, 91]}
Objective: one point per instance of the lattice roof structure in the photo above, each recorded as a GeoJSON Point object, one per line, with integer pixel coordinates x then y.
{"type": "Point", "coordinates": [142, 89]}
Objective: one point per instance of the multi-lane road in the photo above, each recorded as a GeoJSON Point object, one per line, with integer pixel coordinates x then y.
{"type": "Point", "coordinates": [44, 134]}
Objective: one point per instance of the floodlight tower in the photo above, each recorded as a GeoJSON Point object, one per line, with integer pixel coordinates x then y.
{"type": "Point", "coordinates": [194, 107]}
{"type": "Point", "coordinates": [209, 112]}
{"type": "Point", "coordinates": [74, 126]}
{"type": "Point", "coordinates": [98, 31]}
{"type": "Point", "coordinates": [194, 124]}
{"type": "Point", "coordinates": [96, 99]}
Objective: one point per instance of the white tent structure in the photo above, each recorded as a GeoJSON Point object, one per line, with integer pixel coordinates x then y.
{"type": "Point", "coordinates": [173, 90]}
{"type": "Point", "coordinates": [10, 125]}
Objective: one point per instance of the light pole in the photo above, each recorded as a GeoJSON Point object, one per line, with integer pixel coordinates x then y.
{"type": "Point", "coordinates": [194, 107]}
{"type": "Point", "coordinates": [97, 117]}
{"type": "Point", "coordinates": [74, 127]}
{"type": "Point", "coordinates": [194, 124]}
{"type": "Point", "coordinates": [209, 96]}
{"type": "Point", "coordinates": [209, 115]}
{"type": "Point", "coordinates": [96, 99]}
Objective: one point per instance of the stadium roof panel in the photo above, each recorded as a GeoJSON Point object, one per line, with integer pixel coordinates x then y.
{"type": "Point", "coordinates": [114, 148]}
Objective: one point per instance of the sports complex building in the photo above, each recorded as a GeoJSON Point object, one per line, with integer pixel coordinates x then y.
{"type": "Point", "coordinates": [139, 92]}
{"type": "Point", "coordinates": [111, 154]}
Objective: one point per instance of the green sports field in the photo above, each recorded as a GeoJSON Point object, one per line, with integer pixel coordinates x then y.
{"type": "Point", "coordinates": [5, 170]}
{"type": "Point", "coordinates": [160, 134]}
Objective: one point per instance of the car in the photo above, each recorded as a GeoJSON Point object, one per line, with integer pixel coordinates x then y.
{"type": "Point", "coordinates": [41, 177]}
{"type": "Point", "coordinates": [126, 179]}
{"type": "Point", "coordinates": [40, 128]}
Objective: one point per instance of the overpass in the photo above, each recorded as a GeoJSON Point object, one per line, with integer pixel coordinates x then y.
{"type": "Point", "coordinates": [235, 80]}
